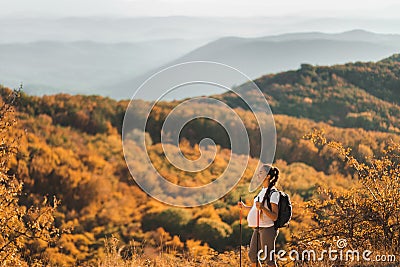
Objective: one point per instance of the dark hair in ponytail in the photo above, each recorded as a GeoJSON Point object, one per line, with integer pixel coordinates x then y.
{"type": "Point", "coordinates": [273, 173]}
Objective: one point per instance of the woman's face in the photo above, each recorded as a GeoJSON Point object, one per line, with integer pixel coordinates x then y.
{"type": "Point", "coordinates": [262, 174]}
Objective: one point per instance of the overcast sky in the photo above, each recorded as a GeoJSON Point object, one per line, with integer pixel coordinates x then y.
{"type": "Point", "coordinates": [383, 9]}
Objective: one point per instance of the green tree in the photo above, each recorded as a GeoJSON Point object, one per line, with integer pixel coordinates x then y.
{"type": "Point", "coordinates": [215, 233]}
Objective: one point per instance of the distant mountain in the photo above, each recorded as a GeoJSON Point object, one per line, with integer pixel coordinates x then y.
{"type": "Point", "coordinates": [354, 35]}
{"type": "Point", "coordinates": [118, 69]}
{"type": "Point", "coordinates": [257, 56]}
{"type": "Point", "coordinates": [138, 29]}
{"type": "Point", "coordinates": [82, 67]}
{"type": "Point", "coordinates": [141, 29]}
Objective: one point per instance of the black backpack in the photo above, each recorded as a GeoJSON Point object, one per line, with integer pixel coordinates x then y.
{"type": "Point", "coordinates": [284, 208]}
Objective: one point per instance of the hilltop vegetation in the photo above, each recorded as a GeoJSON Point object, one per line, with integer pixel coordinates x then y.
{"type": "Point", "coordinates": [70, 147]}
{"type": "Point", "coordinates": [355, 95]}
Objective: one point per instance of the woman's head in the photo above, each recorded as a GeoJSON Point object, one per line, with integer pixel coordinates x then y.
{"type": "Point", "coordinates": [270, 175]}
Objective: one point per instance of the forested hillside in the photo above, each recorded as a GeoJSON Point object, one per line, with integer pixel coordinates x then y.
{"type": "Point", "coordinates": [69, 147]}
{"type": "Point", "coordinates": [355, 95]}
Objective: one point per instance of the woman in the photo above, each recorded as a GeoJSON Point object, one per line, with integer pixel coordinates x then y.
{"type": "Point", "coordinates": [265, 235]}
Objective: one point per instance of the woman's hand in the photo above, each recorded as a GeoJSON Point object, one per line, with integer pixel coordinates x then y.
{"type": "Point", "coordinates": [261, 207]}
{"type": "Point", "coordinates": [273, 214]}
{"type": "Point", "coordinates": [242, 205]}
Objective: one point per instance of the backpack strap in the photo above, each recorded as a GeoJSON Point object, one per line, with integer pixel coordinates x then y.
{"type": "Point", "coordinates": [268, 198]}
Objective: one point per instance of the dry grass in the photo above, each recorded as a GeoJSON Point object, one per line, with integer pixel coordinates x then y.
{"type": "Point", "coordinates": [137, 256]}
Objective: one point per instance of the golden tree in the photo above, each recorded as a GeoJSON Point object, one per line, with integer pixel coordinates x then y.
{"type": "Point", "coordinates": [20, 226]}
{"type": "Point", "coordinates": [368, 214]}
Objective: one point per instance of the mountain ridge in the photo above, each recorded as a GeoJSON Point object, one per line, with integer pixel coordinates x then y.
{"type": "Point", "coordinates": [118, 69]}
{"type": "Point", "coordinates": [256, 56]}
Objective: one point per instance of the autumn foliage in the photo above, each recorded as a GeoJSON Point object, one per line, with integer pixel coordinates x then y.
{"type": "Point", "coordinates": [68, 199]}
{"type": "Point", "coordinates": [23, 225]}
{"type": "Point", "coordinates": [367, 214]}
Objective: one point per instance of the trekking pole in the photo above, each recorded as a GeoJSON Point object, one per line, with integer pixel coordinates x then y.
{"type": "Point", "coordinates": [240, 231]}
{"type": "Point", "coordinates": [258, 226]}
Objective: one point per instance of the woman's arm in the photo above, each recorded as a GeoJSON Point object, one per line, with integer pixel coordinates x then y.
{"type": "Point", "coordinates": [273, 213]}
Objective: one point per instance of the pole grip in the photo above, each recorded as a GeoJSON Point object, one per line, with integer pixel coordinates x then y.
{"type": "Point", "coordinates": [258, 214]}
{"type": "Point", "coordinates": [240, 211]}
{"type": "Point", "coordinates": [240, 227]}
